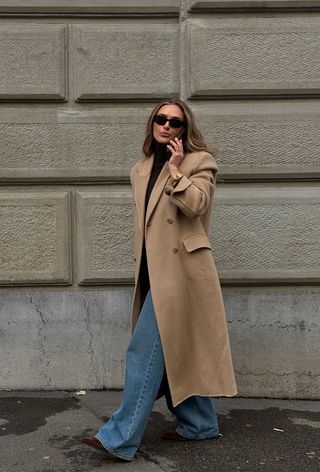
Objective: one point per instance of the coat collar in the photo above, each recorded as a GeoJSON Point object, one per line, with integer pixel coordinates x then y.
{"type": "Point", "coordinates": [145, 166]}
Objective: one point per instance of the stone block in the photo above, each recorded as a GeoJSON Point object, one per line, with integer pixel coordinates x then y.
{"type": "Point", "coordinates": [34, 235]}
{"type": "Point", "coordinates": [105, 236]}
{"type": "Point", "coordinates": [32, 62]}
{"type": "Point", "coordinates": [126, 7]}
{"type": "Point", "coordinates": [244, 5]}
{"type": "Point", "coordinates": [63, 340]}
{"type": "Point", "coordinates": [78, 339]}
{"type": "Point", "coordinates": [248, 56]}
{"type": "Point", "coordinates": [70, 144]}
{"type": "Point", "coordinates": [274, 335]}
{"type": "Point", "coordinates": [267, 233]}
{"type": "Point", "coordinates": [259, 139]}
{"type": "Point", "coordinates": [126, 61]}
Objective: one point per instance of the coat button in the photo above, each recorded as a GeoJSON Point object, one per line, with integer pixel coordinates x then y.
{"type": "Point", "coordinates": [170, 220]}
{"type": "Point", "coordinates": [175, 249]}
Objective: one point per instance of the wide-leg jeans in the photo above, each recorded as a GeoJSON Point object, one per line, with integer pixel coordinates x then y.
{"type": "Point", "coordinates": [145, 367]}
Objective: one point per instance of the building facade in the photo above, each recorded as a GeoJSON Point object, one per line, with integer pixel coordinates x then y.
{"type": "Point", "coordinates": [77, 83]}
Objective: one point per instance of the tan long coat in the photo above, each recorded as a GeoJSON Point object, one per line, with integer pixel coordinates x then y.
{"type": "Point", "coordinates": [184, 283]}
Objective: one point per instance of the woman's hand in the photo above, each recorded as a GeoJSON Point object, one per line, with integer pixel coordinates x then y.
{"type": "Point", "coordinates": [177, 155]}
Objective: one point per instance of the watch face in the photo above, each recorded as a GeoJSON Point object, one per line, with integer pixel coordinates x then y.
{"type": "Point", "coordinates": [177, 176]}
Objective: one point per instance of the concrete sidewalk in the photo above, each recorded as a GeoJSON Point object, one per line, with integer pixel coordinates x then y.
{"type": "Point", "coordinates": [40, 432]}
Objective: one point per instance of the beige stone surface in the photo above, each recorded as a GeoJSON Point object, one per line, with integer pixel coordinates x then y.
{"type": "Point", "coordinates": [258, 139]}
{"type": "Point", "coordinates": [105, 236]}
{"type": "Point", "coordinates": [63, 339]}
{"type": "Point", "coordinates": [66, 144]}
{"type": "Point", "coordinates": [267, 233]}
{"type": "Point", "coordinates": [94, 6]}
{"type": "Point", "coordinates": [32, 62]}
{"type": "Point", "coordinates": [274, 334]}
{"type": "Point", "coordinates": [34, 235]}
{"type": "Point", "coordinates": [78, 80]}
{"type": "Point", "coordinates": [253, 139]}
{"type": "Point", "coordinates": [212, 5]}
{"type": "Point", "coordinates": [126, 61]}
{"type": "Point", "coordinates": [253, 56]}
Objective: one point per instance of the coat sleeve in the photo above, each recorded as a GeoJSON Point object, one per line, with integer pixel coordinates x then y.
{"type": "Point", "coordinates": [192, 195]}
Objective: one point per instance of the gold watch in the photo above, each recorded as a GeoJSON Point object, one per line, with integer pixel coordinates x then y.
{"type": "Point", "coordinates": [176, 177]}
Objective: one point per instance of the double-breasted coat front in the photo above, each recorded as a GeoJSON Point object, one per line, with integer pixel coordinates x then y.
{"type": "Point", "coordinates": [184, 283]}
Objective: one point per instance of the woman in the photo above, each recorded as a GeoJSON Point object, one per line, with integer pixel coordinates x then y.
{"type": "Point", "coordinates": [180, 344]}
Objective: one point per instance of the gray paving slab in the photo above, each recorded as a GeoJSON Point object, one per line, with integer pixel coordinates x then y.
{"type": "Point", "coordinates": [41, 431]}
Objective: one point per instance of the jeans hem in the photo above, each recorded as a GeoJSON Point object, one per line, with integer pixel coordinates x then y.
{"type": "Point", "coordinates": [144, 386]}
{"type": "Point", "coordinates": [199, 438]}
{"type": "Point", "coordinates": [112, 451]}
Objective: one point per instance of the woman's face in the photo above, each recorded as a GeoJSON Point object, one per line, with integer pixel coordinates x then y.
{"type": "Point", "coordinates": [163, 134]}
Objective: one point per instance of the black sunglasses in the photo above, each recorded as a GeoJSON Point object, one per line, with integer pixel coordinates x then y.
{"type": "Point", "coordinates": [173, 122]}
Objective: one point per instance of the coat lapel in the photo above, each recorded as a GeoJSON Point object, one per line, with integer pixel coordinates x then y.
{"type": "Point", "coordinates": [157, 190]}
{"type": "Point", "coordinates": [141, 187]}
{"type": "Point", "coordinates": [159, 186]}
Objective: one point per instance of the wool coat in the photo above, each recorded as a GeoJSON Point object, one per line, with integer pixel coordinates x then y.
{"type": "Point", "coordinates": [184, 284]}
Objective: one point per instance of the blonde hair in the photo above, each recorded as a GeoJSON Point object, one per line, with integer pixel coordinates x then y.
{"type": "Point", "coordinates": [192, 137]}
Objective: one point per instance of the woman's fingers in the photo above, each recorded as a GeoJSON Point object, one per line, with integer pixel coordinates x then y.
{"type": "Point", "coordinates": [179, 142]}
{"type": "Point", "coordinates": [171, 148]}
{"type": "Point", "coordinates": [176, 149]}
{"type": "Point", "coordinates": [173, 144]}
{"type": "Point", "coordinates": [176, 143]}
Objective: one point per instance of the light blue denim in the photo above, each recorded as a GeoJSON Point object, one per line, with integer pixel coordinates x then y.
{"type": "Point", "coordinates": [122, 434]}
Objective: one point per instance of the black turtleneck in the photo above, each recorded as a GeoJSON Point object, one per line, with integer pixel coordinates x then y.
{"type": "Point", "coordinates": [160, 157]}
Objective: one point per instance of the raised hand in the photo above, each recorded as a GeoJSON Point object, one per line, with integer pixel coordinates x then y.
{"type": "Point", "coordinates": [177, 154]}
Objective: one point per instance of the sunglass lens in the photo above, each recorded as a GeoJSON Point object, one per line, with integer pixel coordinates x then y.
{"type": "Point", "coordinates": [160, 120]}
{"type": "Point", "coordinates": [173, 122]}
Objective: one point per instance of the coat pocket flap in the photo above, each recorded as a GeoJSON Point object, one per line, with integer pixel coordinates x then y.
{"type": "Point", "coordinates": [196, 241]}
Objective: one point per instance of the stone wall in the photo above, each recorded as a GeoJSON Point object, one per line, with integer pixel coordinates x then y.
{"type": "Point", "coordinates": [78, 80]}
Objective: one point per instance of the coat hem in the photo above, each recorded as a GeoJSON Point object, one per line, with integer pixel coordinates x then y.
{"type": "Point", "coordinates": [210, 395]}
